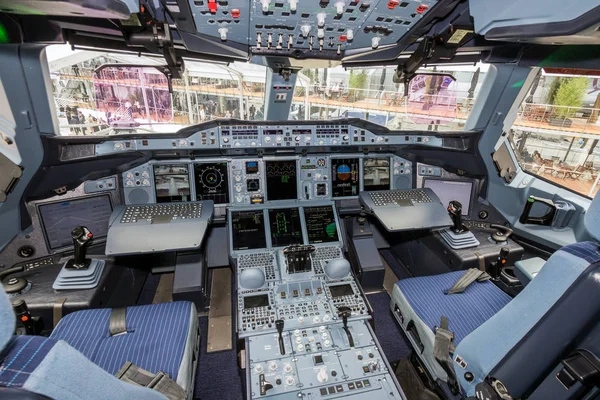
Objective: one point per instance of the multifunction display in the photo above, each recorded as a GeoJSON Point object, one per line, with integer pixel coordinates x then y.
{"type": "Point", "coordinates": [281, 180]}
{"type": "Point", "coordinates": [172, 182]}
{"type": "Point", "coordinates": [345, 177]}
{"type": "Point", "coordinates": [320, 224]}
{"type": "Point", "coordinates": [211, 182]}
{"type": "Point", "coordinates": [376, 174]}
{"type": "Point", "coordinates": [248, 230]}
{"type": "Point", "coordinates": [286, 228]}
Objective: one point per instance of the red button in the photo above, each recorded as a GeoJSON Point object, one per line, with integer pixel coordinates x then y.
{"type": "Point", "coordinates": [422, 8]}
{"type": "Point", "coordinates": [24, 318]}
{"type": "Point", "coordinates": [235, 13]}
{"type": "Point", "coordinates": [90, 235]}
{"type": "Point", "coordinates": [393, 4]}
{"type": "Point", "coordinates": [343, 38]}
{"type": "Point", "coordinates": [212, 6]}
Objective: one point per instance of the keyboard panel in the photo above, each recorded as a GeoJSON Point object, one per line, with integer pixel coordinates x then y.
{"type": "Point", "coordinates": [384, 198]}
{"type": "Point", "coordinates": [174, 211]}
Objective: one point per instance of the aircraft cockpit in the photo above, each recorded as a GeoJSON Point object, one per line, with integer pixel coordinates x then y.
{"type": "Point", "coordinates": [283, 199]}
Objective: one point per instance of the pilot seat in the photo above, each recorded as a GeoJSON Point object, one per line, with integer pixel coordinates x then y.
{"type": "Point", "coordinates": [87, 348]}
{"type": "Point", "coordinates": [482, 336]}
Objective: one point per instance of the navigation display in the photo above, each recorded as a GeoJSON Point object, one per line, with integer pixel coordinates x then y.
{"type": "Point", "coordinates": [320, 224]}
{"type": "Point", "coordinates": [172, 183]}
{"type": "Point", "coordinates": [59, 219]}
{"type": "Point", "coordinates": [248, 230]}
{"type": "Point", "coordinates": [281, 180]}
{"type": "Point", "coordinates": [286, 228]}
{"type": "Point", "coordinates": [344, 177]}
{"type": "Point", "coordinates": [376, 174]}
{"type": "Point", "coordinates": [211, 182]}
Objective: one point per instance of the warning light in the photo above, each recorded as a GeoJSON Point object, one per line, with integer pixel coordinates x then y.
{"type": "Point", "coordinates": [212, 6]}
{"type": "Point", "coordinates": [235, 13]}
{"type": "Point", "coordinates": [24, 318]}
{"type": "Point", "coordinates": [343, 38]}
{"type": "Point", "coordinates": [393, 4]}
{"type": "Point", "coordinates": [422, 8]}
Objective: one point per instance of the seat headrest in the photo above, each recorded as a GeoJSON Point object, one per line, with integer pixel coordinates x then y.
{"type": "Point", "coordinates": [7, 319]}
{"type": "Point", "coordinates": [592, 218]}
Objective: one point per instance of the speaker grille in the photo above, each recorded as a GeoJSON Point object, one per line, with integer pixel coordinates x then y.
{"type": "Point", "coordinates": [138, 196]}
{"type": "Point", "coordinates": [403, 182]}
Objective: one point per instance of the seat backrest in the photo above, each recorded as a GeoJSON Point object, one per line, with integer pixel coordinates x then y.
{"type": "Point", "coordinates": [54, 369]}
{"type": "Point", "coordinates": [513, 329]}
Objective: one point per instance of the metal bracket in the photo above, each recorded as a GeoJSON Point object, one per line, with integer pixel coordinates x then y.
{"type": "Point", "coordinates": [506, 167]}
{"type": "Point", "coordinates": [11, 173]}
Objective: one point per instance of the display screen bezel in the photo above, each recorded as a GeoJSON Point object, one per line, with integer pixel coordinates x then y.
{"type": "Point", "coordinates": [97, 238]}
{"type": "Point", "coordinates": [472, 195]}
{"type": "Point", "coordinates": [296, 178]}
{"type": "Point", "coordinates": [190, 180]}
{"type": "Point", "coordinates": [264, 223]}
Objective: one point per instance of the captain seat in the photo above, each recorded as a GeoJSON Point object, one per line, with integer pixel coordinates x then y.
{"type": "Point", "coordinates": [510, 344]}
{"type": "Point", "coordinates": [86, 349]}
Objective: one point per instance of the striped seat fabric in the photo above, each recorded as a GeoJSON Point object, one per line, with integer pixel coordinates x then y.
{"type": "Point", "coordinates": [465, 311]}
{"type": "Point", "coordinates": [21, 357]}
{"type": "Point", "coordinates": [155, 340]}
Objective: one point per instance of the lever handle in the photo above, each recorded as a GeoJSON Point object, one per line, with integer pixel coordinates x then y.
{"type": "Point", "coordinates": [81, 237]}
{"type": "Point", "coordinates": [544, 219]}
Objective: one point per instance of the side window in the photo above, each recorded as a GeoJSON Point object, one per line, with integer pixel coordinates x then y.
{"type": "Point", "coordinates": [555, 135]}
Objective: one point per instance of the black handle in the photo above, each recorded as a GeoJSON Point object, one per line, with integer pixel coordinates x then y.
{"type": "Point", "coordinates": [81, 237]}
{"type": "Point", "coordinates": [279, 325]}
{"type": "Point", "coordinates": [455, 211]}
{"type": "Point", "coordinates": [543, 220]}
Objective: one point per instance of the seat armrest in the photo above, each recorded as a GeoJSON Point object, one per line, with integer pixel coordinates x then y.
{"type": "Point", "coordinates": [526, 270]}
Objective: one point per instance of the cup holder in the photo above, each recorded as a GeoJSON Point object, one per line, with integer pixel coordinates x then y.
{"type": "Point", "coordinates": [510, 271]}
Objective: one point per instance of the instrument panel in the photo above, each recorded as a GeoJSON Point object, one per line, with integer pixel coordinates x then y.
{"type": "Point", "coordinates": [248, 181]}
{"type": "Point", "coordinates": [231, 137]}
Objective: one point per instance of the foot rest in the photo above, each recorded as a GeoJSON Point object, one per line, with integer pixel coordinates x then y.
{"type": "Point", "coordinates": [460, 241]}
{"type": "Point", "coordinates": [78, 279]}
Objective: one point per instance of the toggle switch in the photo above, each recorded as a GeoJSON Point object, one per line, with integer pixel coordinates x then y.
{"type": "Point", "coordinates": [305, 29]}
{"type": "Point", "coordinates": [265, 5]}
{"type": "Point", "coordinates": [339, 7]}
{"type": "Point", "coordinates": [375, 42]}
{"type": "Point", "coordinates": [223, 33]}
{"type": "Point", "coordinates": [349, 35]}
{"type": "Point", "coordinates": [293, 5]}
{"type": "Point", "coordinates": [321, 19]}
{"type": "Point", "coordinates": [258, 40]}
{"type": "Point", "coordinates": [290, 41]}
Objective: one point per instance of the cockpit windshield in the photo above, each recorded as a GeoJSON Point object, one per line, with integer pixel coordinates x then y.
{"type": "Point", "coordinates": [101, 93]}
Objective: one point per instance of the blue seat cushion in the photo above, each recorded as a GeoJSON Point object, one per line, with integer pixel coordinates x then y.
{"type": "Point", "coordinates": [465, 311]}
{"type": "Point", "coordinates": [21, 357]}
{"type": "Point", "coordinates": [155, 340]}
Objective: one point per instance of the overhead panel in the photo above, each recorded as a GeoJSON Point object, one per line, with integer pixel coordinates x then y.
{"type": "Point", "coordinates": [308, 28]}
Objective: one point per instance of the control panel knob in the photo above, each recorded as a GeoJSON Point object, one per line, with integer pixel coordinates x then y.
{"type": "Point", "coordinates": [273, 365]}
{"type": "Point", "coordinates": [327, 343]}
{"type": "Point", "coordinates": [238, 188]}
{"type": "Point", "coordinates": [305, 29]}
{"type": "Point", "coordinates": [225, 140]}
{"type": "Point", "coordinates": [375, 42]}
{"type": "Point", "coordinates": [268, 139]}
{"type": "Point", "coordinates": [297, 138]}
{"type": "Point", "coordinates": [238, 144]}
{"type": "Point", "coordinates": [345, 138]}
{"type": "Point", "coordinates": [307, 138]}
{"type": "Point", "coordinates": [339, 7]}
{"type": "Point", "coordinates": [298, 339]}
{"type": "Point", "coordinates": [265, 5]}
{"type": "Point", "coordinates": [145, 174]}
{"type": "Point", "coordinates": [322, 375]}
{"type": "Point", "coordinates": [290, 381]}
{"type": "Point", "coordinates": [258, 368]}
{"type": "Point", "coordinates": [223, 33]}
{"type": "Point", "coordinates": [118, 146]}
{"type": "Point", "coordinates": [293, 5]}
{"type": "Point", "coordinates": [146, 182]}
{"type": "Point", "coordinates": [239, 198]}
{"type": "Point", "coordinates": [321, 19]}
{"type": "Point", "coordinates": [300, 320]}
{"type": "Point", "coordinates": [322, 328]}
{"type": "Point", "coordinates": [349, 35]}
{"type": "Point", "coordinates": [334, 141]}
{"type": "Point", "coordinates": [253, 144]}
{"type": "Point", "coordinates": [379, 139]}
{"type": "Point", "coordinates": [321, 142]}
{"type": "Point", "coordinates": [300, 347]}
{"type": "Point", "coordinates": [279, 139]}
{"type": "Point", "coordinates": [320, 33]}
{"type": "Point", "coordinates": [129, 175]}
{"type": "Point", "coordinates": [326, 318]}
{"type": "Point", "coordinates": [287, 368]}
{"type": "Point", "coordinates": [316, 319]}
{"type": "Point", "coordinates": [297, 332]}
{"type": "Point", "coordinates": [238, 178]}
{"type": "Point", "coordinates": [325, 336]}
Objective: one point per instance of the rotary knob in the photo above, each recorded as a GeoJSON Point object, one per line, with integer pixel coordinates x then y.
{"type": "Point", "coordinates": [267, 139]}
{"type": "Point", "coordinates": [287, 368]}
{"type": "Point", "coordinates": [300, 320]}
{"type": "Point", "coordinates": [325, 335]}
{"type": "Point", "coordinates": [238, 178]}
{"type": "Point", "coordinates": [298, 339]}
{"type": "Point", "coordinates": [300, 347]}
{"type": "Point", "coordinates": [258, 368]}
{"type": "Point", "coordinates": [278, 139]}
{"type": "Point", "coordinates": [297, 332]}
{"type": "Point", "coordinates": [297, 138]}
{"type": "Point", "coordinates": [327, 343]}
{"type": "Point", "coordinates": [345, 138]}
{"type": "Point", "coordinates": [316, 319]}
{"type": "Point", "coordinates": [322, 328]}
{"type": "Point", "coordinates": [326, 318]}
{"type": "Point", "coordinates": [290, 381]}
{"type": "Point", "coordinates": [273, 365]}
{"type": "Point", "coordinates": [225, 140]}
